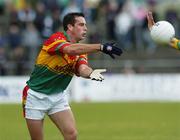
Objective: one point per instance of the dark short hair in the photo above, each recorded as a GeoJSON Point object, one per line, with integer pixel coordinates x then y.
{"type": "Point", "coordinates": [70, 19]}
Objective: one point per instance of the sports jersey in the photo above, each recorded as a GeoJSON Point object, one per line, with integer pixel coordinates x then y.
{"type": "Point", "coordinates": [53, 69]}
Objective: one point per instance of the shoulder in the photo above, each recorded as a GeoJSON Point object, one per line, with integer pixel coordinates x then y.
{"type": "Point", "coordinates": [54, 37]}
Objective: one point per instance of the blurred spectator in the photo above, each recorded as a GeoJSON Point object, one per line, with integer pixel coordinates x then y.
{"type": "Point", "coordinates": [56, 20]}
{"type": "Point", "coordinates": [52, 4]}
{"type": "Point", "coordinates": [146, 38]}
{"type": "Point", "coordinates": [63, 3]}
{"type": "Point", "coordinates": [31, 41]}
{"type": "Point", "coordinates": [100, 23]}
{"type": "Point", "coordinates": [16, 50]}
{"type": "Point", "coordinates": [138, 11]}
{"type": "Point", "coordinates": [2, 6]}
{"type": "Point", "coordinates": [111, 14]}
{"type": "Point", "coordinates": [128, 68]}
{"type": "Point", "coordinates": [26, 15]}
{"type": "Point", "coordinates": [3, 58]}
{"type": "Point", "coordinates": [88, 10]}
{"type": "Point", "coordinates": [71, 7]}
{"type": "Point", "coordinates": [80, 4]}
{"type": "Point", "coordinates": [14, 36]}
{"type": "Point", "coordinates": [123, 26]}
{"type": "Point", "coordinates": [12, 13]}
{"type": "Point", "coordinates": [171, 15]}
{"type": "Point", "coordinates": [48, 26]}
{"type": "Point", "coordinates": [40, 17]}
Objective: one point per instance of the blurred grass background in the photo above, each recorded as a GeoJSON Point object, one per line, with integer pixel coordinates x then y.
{"type": "Point", "coordinates": [103, 121]}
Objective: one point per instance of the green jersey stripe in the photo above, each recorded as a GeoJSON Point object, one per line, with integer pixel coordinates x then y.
{"type": "Point", "coordinates": [45, 81]}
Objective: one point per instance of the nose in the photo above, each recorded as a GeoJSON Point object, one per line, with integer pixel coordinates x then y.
{"type": "Point", "coordinates": [85, 28]}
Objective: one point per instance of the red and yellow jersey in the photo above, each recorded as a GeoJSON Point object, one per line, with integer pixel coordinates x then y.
{"type": "Point", "coordinates": [53, 69]}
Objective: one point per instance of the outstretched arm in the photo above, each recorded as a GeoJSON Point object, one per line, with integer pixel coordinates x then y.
{"type": "Point", "coordinates": [108, 48]}
{"type": "Point", "coordinates": [174, 43]}
{"type": "Point", "coordinates": [78, 48]}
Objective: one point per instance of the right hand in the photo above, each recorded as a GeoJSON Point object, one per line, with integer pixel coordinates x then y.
{"type": "Point", "coordinates": [96, 74]}
{"type": "Point", "coordinates": [175, 43]}
{"type": "Point", "coordinates": [111, 49]}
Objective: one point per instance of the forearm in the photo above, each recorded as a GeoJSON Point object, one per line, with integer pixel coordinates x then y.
{"type": "Point", "coordinates": [77, 49]}
{"type": "Point", "coordinates": [84, 71]}
{"type": "Point", "coordinates": [87, 72]}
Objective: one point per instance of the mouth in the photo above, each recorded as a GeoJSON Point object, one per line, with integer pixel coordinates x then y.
{"type": "Point", "coordinates": [84, 34]}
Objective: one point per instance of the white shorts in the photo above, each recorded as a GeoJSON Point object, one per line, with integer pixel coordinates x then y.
{"type": "Point", "coordinates": [36, 104]}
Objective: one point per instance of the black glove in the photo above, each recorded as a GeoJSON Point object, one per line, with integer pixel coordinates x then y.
{"type": "Point", "coordinates": [111, 49]}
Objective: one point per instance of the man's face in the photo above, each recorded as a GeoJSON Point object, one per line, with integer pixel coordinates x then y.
{"type": "Point", "coordinates": [79, 29]}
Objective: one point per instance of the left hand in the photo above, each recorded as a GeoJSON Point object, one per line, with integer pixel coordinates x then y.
{"type": "Point", "coordinates": [111, 49]}
{"type": "Point", "coordinates": [96, 74]}
{"type": "Point", "coordinates": [150, 20]}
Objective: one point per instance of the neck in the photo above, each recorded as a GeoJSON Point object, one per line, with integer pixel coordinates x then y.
{"type": "Point", "coordinates": [71, 37]}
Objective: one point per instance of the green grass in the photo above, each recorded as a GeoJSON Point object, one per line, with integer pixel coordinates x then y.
{"type": "Point", "coordinates": [103, 121]}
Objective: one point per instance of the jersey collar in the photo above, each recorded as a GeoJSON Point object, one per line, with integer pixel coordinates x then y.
{"type": "Point", "coordinates": [68, 37]}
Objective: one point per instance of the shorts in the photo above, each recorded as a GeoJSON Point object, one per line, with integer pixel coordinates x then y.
{"type": "Point", "coordinates": [36, 105]}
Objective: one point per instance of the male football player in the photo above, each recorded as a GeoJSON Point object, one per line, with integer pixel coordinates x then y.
{"type": "Point", "coordinates": [59, 59]}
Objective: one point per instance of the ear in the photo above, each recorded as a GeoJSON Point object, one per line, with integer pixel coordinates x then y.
{"type": "Point", "coordinates": [70, 27]}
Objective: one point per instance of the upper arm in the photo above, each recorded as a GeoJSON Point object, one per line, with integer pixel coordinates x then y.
{"type": "Point", "coordinates": [55, 44]}
{"type": "Point", "coordinates": [56, 47]}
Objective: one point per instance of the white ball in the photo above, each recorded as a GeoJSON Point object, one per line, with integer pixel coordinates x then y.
{"type": "Point", "coordinates": [162, 32]}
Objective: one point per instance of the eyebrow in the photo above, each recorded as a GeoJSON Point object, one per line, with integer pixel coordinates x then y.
{"type": "Point", "coordinates": [82, 23]}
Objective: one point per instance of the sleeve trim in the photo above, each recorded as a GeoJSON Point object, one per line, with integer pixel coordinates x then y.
{"type": "Point", "coordinates": [63, 46]}
{"type": "Point", "coordinates": [80, 63]}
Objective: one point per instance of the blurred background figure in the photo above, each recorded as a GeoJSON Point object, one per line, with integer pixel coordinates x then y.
{"type": "Point", "coordinates": [31, 41]}
{"type": "Point", "coordinates": [147, 43]}
{"type": "Point", "coordinates": [3, 57]}
{"type": "Point", "coordinates": [124, 23]}
{"type": "Point", "coordinates": [71, 7]}
{"type": "Point", "coordinates": [15, 48]}
{"type": "Point", "coordinates": [40, 10]}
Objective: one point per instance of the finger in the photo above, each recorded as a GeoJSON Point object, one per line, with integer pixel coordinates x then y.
{"type": "Point", "coordinates": [102, 70]}
{"type": "Point", "coordinates": [95, 79]}
{"type": "Point", "coordinates": [150, 18]}
{"type": "Point", "coordinates": [114, 44]}
{"type": "Point", "coordinates": [117, 51]}
{"type": "Point", "coordinates": [101, 77]}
